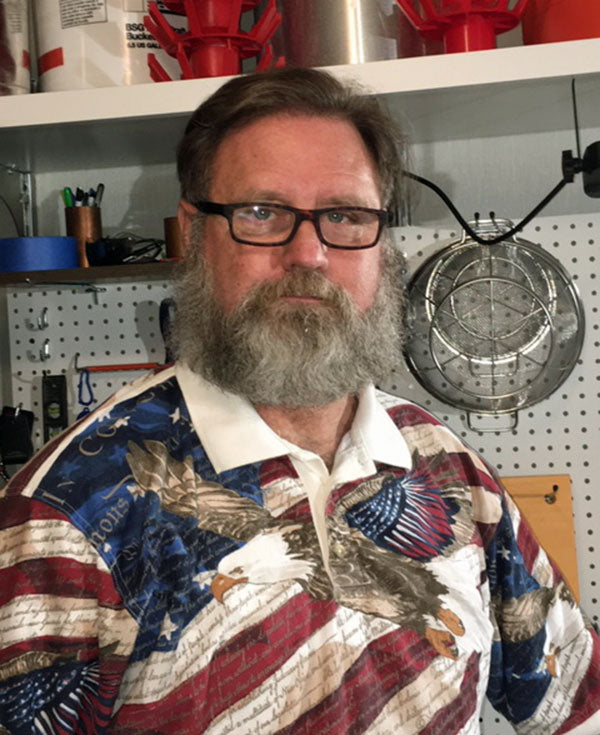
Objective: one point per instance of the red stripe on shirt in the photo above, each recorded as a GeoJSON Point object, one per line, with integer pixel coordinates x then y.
{"type": "Point", "coordinates": [59, 577]}
{"type": "Point", "coordinates": [235, 670]}
{"type": "Point", "coordinates": [299, 512]}
{"type": "Point", "coordinates": [385, 667]}
{"type": "Point", "coordinates": [452, 718]}
{"type": "Point", "coordinates": [528, 545]}
{"type": "Point", "coordinates": [409, 415]}
{"type": "Point", "coordinates": [275, 469]}
{"type": "Point", "coordinates": [17, 510]}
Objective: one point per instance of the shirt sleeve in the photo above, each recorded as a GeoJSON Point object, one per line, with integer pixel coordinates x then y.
{"type": "Point", "coordinates": [545, 663]}
{"type": "Point", "coordinates": [65, 635]}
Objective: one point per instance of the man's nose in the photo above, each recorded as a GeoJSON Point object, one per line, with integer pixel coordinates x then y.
{"type": "Point", "coordinates": [305, 250]}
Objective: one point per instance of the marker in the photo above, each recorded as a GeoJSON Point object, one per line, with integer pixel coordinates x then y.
{"type": "Point", "coordinates": [99, 193]}
{"type": "Point", "coordinates": [67, 196]}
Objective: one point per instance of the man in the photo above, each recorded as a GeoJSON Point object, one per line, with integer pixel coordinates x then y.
{"type": "Point", "coordinates": [255, 540]}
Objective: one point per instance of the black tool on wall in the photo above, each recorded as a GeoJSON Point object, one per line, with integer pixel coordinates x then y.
{"type": "Point", "coordinates": [15, 435]}
{"type": "Point", "coordinates": [54, 400]}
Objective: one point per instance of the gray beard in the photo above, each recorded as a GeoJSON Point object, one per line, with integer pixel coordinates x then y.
{"type": "Point", "coordinates": [278, 353]}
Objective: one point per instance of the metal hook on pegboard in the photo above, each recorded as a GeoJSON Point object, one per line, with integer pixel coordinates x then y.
{"type": "Point", "coordinates": [86, 286]}
{"type": "Point", "coordinates": [41, 322]}
{"type": "Point", "coordinates": [45, 350]}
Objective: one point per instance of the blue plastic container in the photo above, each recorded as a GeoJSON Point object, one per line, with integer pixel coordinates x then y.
{"type": "Point", "coordinates": [37, 253]}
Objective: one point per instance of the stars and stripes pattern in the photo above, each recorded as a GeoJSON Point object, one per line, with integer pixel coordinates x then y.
{"type": "Point", "coordinates": [109, 621]}
{"type": "Point", "coordinates": [409, 516]}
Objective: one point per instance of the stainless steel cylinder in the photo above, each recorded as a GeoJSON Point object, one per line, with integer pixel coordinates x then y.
{"type": "Point", "coordinates": [331, 32]}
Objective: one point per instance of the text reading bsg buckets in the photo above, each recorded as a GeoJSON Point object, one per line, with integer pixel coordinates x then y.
{"type": "Point", "coordinates": [99, 43]}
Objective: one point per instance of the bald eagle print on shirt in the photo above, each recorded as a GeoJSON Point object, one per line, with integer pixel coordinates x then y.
{"type": "Point", "coordinates": [376, 570]}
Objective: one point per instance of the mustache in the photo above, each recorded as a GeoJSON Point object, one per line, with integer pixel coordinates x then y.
{"type": "Point", "coordinates": [304, 284]}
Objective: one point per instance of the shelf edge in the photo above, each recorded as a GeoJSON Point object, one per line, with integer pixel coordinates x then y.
{"type": "Point", "coordinates": [394, 76]}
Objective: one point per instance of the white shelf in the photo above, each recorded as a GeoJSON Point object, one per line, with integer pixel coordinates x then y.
{"type": "Point", "coordinates": [516, 90]}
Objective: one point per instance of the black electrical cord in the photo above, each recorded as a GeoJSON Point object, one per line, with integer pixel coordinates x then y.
{"type": "Point", "coordinates": [469, 230]}
{"type": "Point", "coordinates": [12, 215]}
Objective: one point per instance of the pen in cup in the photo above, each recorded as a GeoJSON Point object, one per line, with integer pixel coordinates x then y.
{"type": "Point", "coordinates": [81, 198]}
{"type": "Point", "coordinates": [67, 195]}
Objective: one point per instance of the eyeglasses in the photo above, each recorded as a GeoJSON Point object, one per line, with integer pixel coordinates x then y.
{"type": "Point", "coordinates": [264, 224]}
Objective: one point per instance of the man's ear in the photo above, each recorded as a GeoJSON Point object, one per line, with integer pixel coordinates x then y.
{"type": "Point", "coordinates": [185, 212]}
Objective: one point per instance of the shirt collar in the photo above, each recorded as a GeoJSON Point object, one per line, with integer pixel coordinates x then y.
{"type": "Point", "coordinates": [233, 434]}
{"type": "Point", "coordinates": [374, 428]}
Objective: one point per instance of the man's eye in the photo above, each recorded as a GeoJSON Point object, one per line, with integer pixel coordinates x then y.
{"type": "Point", "coordinates": [255, 214]}
{"type": "Point", "coordinates": [337, 217]}
{"type": "Point", "coordinates": [262, 213]}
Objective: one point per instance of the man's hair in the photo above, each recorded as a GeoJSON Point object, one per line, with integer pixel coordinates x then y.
{"type": "Point", "coordinates": [245, 99]}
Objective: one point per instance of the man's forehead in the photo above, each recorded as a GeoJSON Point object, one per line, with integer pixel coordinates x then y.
{"type": "Point", "coordinates": [265, 155]}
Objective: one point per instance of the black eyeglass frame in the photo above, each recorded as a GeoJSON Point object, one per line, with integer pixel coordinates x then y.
{"type": "Point", "coordinates": [227, 210]}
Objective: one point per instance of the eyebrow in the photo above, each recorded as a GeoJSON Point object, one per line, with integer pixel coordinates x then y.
{"type": "Point", "coordinates": [274, 197]}
{"type": "Point", "coordinates": [265, 195]}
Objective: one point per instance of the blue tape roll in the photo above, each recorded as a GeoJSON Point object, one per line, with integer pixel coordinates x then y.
{"type": "Point", "coordinates": [37, 253]}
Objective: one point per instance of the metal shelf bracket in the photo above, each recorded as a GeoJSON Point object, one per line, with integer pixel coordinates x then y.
{"type": "Point", "coordinates": [26, 197]}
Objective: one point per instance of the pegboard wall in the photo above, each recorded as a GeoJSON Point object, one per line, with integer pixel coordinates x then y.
{"type": "Point", "coordinates": [61, 328]}
{"type": "Point", "coordinates": [117, 323]}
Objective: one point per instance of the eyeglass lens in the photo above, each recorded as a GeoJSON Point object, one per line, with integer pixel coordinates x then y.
{"type": "Point", "coordinates": [346, 227]}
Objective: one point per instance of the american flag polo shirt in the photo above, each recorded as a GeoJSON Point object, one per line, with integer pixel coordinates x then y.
{"type": "Point", "coordinates": [148, 585]}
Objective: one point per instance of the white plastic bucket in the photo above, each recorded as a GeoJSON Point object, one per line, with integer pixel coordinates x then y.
{"type": "Point", "coordinates": [15, 76]}
{"type": "Point", "coordinates": [97, 43]}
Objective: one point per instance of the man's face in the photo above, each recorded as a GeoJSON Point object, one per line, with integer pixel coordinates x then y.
{"type": "Point", "coordinates": [299, 324]}
{"type": "Point", "coordinates": [302, 161]}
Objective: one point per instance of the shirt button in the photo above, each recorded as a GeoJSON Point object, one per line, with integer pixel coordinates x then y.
{"type": "Point", "coordinates": [338, 549]}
